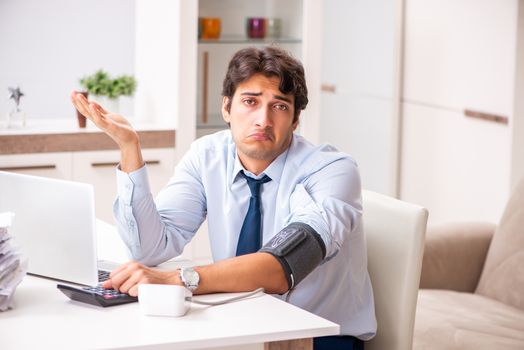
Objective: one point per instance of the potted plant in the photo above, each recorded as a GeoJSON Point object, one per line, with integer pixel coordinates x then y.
{"type": "Point", "coordinates": [106, 90]}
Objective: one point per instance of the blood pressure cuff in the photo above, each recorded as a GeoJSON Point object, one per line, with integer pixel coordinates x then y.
{"type": "Point", "coordinates": [299, 249]}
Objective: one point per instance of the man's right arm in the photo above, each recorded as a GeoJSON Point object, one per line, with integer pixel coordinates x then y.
{"type": "Point", "coordinates": [152, 235]}
{"type": "Point", "coordinates": [157, 230]}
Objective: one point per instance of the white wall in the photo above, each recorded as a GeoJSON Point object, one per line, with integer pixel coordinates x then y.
{"type": "Point", "coordinates": [458, 54]}
{"type": "Point", "coordinates": [166, 32]}
{"type": "Point", "coordinates": [46, 46]}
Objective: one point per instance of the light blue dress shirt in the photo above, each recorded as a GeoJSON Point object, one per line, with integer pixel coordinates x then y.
{"type": "Point", "coordinates": [316, 185]}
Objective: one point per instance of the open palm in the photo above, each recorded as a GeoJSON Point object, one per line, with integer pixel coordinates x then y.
{"type": "Point", "coordinates": [114, 125]}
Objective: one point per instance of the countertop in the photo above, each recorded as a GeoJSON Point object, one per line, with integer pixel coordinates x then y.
{"type": "Point", "coordinates": [64, 135]}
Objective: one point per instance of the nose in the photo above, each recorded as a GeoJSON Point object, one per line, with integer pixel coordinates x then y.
{"type": "Point", "coordinates": [263, 117]}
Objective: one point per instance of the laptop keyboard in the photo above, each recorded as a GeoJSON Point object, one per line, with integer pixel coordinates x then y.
{"type": "Point", "coordinates": [103, 275]}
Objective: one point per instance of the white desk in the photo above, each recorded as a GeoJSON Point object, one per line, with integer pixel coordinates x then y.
{"type": "Point", "coordinates": [44, 318]}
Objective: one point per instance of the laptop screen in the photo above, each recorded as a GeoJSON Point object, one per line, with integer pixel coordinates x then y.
{"type": "Point", "coordinates": [54, 225]}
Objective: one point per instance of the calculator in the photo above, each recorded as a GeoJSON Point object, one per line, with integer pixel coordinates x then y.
{"type": "Point", "coordinates": [98, 295]}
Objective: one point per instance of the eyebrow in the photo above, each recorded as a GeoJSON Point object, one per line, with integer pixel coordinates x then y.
{"type": "Point", "coordinates": [278, 97]}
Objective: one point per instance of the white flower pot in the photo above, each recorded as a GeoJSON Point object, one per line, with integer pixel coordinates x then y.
{"type": "Point", "coordinates": [110, 104]}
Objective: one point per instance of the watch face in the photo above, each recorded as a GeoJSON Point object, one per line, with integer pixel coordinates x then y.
{"type": "Point", "coordinates": [190, 278]}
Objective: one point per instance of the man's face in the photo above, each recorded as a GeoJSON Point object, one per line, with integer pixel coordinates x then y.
{"type": "Point", "coordinates": [261, 121]}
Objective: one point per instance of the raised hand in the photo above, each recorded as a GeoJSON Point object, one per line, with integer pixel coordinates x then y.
{"type": "Point", "coordinates": [114, 125]}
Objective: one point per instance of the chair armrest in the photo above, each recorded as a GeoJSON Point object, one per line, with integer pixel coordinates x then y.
{"type": "Point", "coordinates": [454, 255]}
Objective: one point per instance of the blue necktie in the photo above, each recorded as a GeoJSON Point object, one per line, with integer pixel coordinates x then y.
{"type": "Point", "coordinates": [250, 240]}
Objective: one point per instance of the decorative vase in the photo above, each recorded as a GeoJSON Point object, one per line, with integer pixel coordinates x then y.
{"type": "Point", "coordinates": [256, 27]}
{"type": "Point", "coordinates": [211, 28]}
{"type": "Point", "coordinates": [273, 28]}
{"type": "Point", "coordinates": [16, 119]}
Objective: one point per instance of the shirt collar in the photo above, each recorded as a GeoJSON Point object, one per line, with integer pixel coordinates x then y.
{"type": "Point", "coordinates": [274, 170]}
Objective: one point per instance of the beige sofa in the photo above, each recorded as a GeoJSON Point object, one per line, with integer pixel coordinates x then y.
{"type": "Point", "coordinates": [472, 284]}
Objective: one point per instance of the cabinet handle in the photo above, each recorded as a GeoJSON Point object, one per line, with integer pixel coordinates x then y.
{"type": "Point", "coordinates": [328, 88]}
{"type": "Point", "coordinates": [205, 76]}
{"type": "Point", "coordinates": [114, 164]}
{"type": "Point", "coordinates": [28, 167]}
{"type": "Point", "coordinates": [486, 116]}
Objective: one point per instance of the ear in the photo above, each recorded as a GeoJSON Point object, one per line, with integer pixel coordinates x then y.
{"type": "Point", "coordinates": [225, 113]}
{"type": "Point", "coordinates": [295, 124]}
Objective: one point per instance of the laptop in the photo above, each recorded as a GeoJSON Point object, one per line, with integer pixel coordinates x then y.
{"type": "Point", "coordinates": [54, 226]}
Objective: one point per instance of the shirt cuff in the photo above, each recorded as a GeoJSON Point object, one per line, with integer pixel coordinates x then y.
{"type": "Point", "coordinates": [132, 187]}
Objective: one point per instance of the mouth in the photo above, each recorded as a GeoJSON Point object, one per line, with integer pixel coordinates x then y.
{"type": "Point", "coordinates": [260, 136]}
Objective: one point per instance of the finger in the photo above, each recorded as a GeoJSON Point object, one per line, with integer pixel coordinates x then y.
{"type": "Point", "coordinates": [132, 281]}
{"type": "Point", "coordinates": [73, 94]}
{"type": "Point", "coordinates": [137, 274]}
{"type": "Point", "coordinates": [101, 109]}
{"type": "Point", "coordinates": [128, 276]}
{"type": "Point", "coordinates": [107, 284]}
{"type": "Point", "coordinates": [117, 280]}
{"type": "Point", "coordinates": [133, 291]}
{"type": "Point", "coordinates": [78, 105]}
{"type": "Point", "coordinates": [97, 117]}
{"type": "Point", "coordinates": [86, 103]}
{"type": "Point", "coordinates": [118, 269]}
{"type": "Point", "coordinates": [82, 105]}
{"type": "Point", "coordinates": [117, 276]}
{"type": "Point", "coordinates": [82, 101]}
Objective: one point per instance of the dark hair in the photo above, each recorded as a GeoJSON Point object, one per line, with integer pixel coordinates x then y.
{"type": "Point", "coordinates": [270, 61]}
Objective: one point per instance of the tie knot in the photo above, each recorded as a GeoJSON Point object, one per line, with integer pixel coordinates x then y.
{"type": "Point", "coordinates": [254, 184]}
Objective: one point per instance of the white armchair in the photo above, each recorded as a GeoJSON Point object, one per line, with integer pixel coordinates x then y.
{"type": "Point", "coordinates": [395, 232]}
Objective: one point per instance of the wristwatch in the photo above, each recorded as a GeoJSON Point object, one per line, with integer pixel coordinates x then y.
{"type": "Point", "coordinates": [189, 277]}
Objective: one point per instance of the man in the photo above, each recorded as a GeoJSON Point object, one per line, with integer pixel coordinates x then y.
{"type": "Point", "coordinates": [282, 214]}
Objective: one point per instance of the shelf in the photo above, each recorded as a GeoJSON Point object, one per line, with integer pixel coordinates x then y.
{"type": "Point", "coordinates": [78, 141]}
{"type": "Point", "coordinates": [244, 40]}
{"type": "Point", "coordinates": [211, 126]}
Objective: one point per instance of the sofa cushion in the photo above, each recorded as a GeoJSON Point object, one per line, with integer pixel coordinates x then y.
{"type": "Point", "coordinates": [503, 274]}
{"type": "Point", "coordinates": [454, 255]}
{"type": "Point", "coordinates": [453, 320]}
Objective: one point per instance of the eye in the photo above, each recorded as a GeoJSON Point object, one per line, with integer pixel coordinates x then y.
{"type": "Point", "coordinates": [249, 101]}
{"type": "Point", "coordinates": [281, 107]}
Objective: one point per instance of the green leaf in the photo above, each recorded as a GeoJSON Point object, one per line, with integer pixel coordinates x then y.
{"type": "Point", "coordinates": [101, 84]}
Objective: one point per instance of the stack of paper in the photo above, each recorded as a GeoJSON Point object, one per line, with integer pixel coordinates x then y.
{"type": "Point", "coordinates": [12, 266]}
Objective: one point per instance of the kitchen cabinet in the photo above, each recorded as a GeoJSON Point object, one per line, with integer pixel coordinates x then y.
{"type": "Point", "coordinates": [461, 55]}
{"type": "Point", "coordinates": [94, 167]}
{"type": "Point", "coordinates": [361, 86]}
{"type": "Point", "coordinates": [456, 180]}
{"type": "Point", "coordinates": [54, 164]}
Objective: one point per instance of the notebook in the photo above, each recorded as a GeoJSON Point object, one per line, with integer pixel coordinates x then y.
{"type": "Point", "coordinates": [54, 226]}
